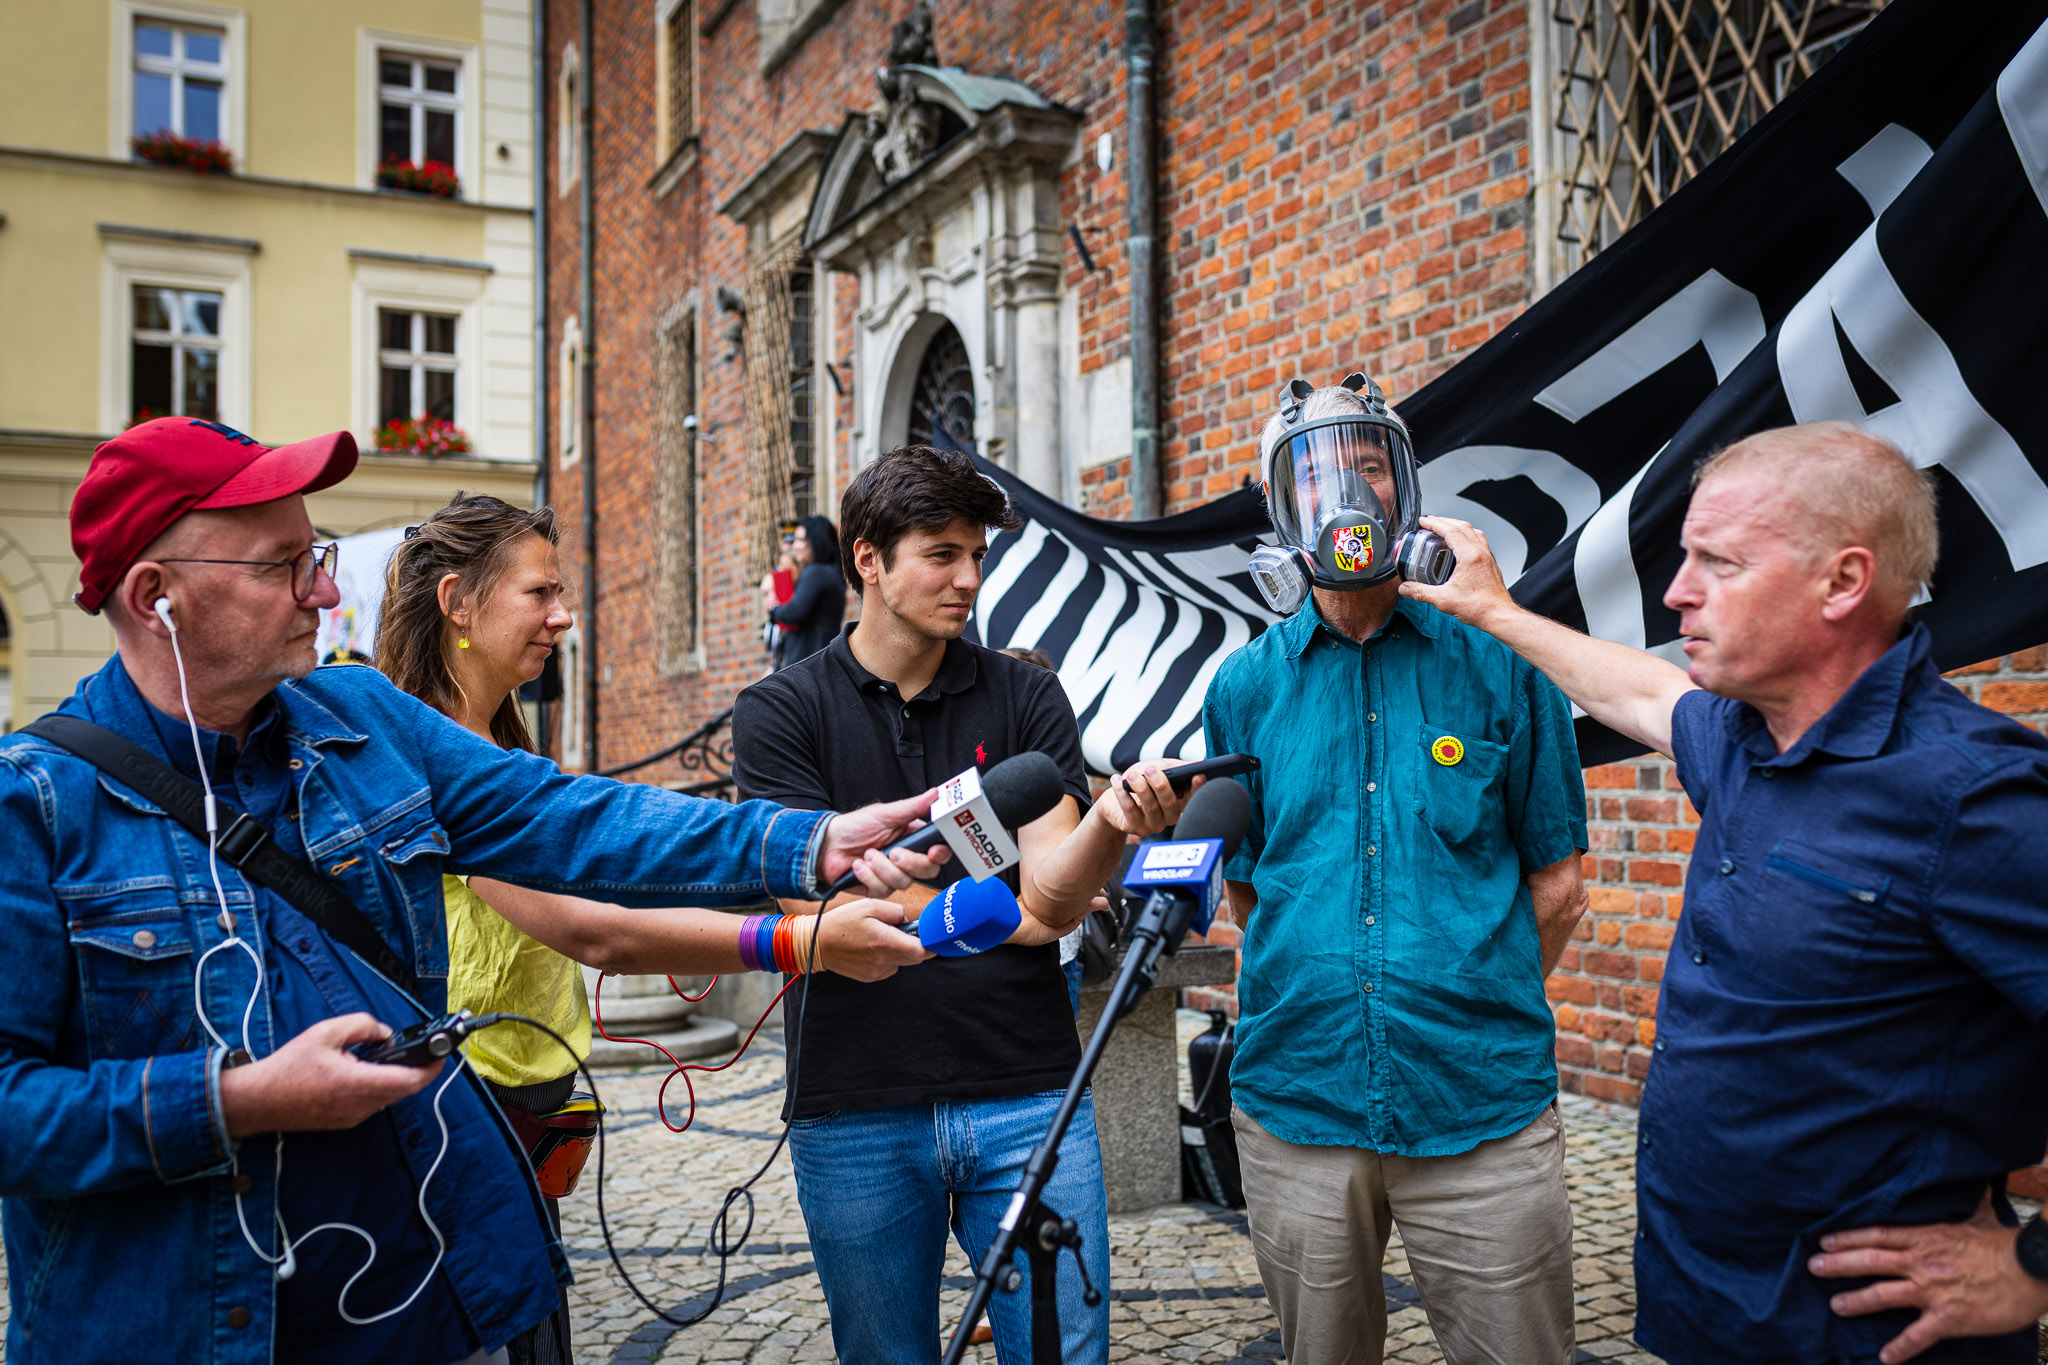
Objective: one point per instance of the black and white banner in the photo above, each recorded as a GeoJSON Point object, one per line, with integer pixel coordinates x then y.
{"type": "Point", "coordinates": [1875, 250]}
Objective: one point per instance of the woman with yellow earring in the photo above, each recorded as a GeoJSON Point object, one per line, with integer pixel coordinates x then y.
{"type": "Point", "coordinates": [474, 604]}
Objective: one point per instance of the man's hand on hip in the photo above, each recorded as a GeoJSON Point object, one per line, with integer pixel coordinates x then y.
{"type": "Point", "coordinates": [313, 1082]}
{"type": "Point", "coordinates": [1963, 1277]}
{"type": "Point", "coordinates": [854, 842]}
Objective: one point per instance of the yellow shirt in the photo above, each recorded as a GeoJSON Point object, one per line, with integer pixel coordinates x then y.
{"type": "Point", "coordinates": [493, 965]}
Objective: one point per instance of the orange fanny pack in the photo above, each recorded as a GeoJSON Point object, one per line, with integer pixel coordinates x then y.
{"type": "Point", "coordinates": [557, 1144]}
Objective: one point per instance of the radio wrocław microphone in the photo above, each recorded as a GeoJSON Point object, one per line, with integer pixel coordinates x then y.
{"type": "Point", "coordinates": [1182, 878]}
{"type": "Point", "coordinates": [975, 812]}
{"type": "Point", "coordinates": [969, 917]}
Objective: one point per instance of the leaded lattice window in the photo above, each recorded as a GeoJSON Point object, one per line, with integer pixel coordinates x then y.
{"type": "Point", "coordinates": [1649, 91]}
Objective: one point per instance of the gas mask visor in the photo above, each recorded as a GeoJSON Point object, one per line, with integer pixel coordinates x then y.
{"type": "Point", "coordinates": [1323, 480]}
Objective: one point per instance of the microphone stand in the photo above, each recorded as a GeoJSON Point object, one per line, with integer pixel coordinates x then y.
{"type": "Point", "coordinates": [1029, 1223]}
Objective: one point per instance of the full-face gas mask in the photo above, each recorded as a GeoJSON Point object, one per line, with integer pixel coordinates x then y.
{"type": "Point", "coordinates": [1319, 471]}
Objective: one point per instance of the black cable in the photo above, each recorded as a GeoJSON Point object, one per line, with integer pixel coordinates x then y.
{"type": "Point", "coordinates": [715, 1235]}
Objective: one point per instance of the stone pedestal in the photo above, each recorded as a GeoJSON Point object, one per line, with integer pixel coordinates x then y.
{"type": "Point", "coordinates": [647, 1007]}
{"type": "Point", "coordinates": [1137, 1083]}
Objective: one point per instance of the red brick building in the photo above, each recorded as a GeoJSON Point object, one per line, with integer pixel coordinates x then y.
{"type": "Point", "coordinates": [796, 265]}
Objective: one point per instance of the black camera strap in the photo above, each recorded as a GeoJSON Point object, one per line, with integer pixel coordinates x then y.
{"type": "Point", "coordinates": [244, 843]}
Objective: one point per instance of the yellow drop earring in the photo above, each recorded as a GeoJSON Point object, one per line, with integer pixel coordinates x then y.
{"type": "Point", "coordinates": [462, 642]}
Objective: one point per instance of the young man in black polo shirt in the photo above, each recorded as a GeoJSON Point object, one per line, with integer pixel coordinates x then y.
{"type": "Point", "coordinates": [922, 1095]}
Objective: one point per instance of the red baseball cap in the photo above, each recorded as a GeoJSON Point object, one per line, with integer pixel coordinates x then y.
{"type": "Point", "coordinates": [156, 471]}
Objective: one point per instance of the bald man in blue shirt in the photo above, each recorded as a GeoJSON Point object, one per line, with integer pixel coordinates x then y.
{"type": "Point", "coordinates": [1854, 1018]}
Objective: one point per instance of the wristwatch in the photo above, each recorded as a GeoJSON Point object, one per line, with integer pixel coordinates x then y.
{"type": "Point", "coordinates": [2032, 1248]}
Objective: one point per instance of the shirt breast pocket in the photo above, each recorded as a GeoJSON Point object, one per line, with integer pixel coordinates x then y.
{"type": "Point", "coordinates": [399, 867]}
{"type": "Point", "coordinates": [1806, 925]}
{"type": "Point", "coordinates": [134, 955]}
{"type": "Point", "coordinates": [1458, 794]}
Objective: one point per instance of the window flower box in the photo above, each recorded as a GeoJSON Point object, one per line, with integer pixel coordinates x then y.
{"type": "Point", "coordinates": [435, 178]}
{"type": "Point", "coordinates": [422, 435]}
{"type": "Point", "coordinates": [201, 156]}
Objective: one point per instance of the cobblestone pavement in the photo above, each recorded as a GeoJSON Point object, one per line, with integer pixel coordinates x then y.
{"type": "Point", "coordinates": [1184, 1285]}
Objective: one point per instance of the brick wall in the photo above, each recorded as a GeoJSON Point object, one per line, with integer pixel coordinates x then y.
{"type": "Point", "coordinates": [1341, 186]}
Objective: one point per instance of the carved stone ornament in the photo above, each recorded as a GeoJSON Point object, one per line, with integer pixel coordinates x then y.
{"type": "Point", "coordinates": [903, 130]}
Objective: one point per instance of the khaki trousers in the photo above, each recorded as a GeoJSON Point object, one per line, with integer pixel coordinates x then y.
{"type": "Point", "coordinates": [1488, 1235]}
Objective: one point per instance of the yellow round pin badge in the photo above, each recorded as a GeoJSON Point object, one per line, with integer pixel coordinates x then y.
{"type": "Point", "coordinates": [1447, 750]}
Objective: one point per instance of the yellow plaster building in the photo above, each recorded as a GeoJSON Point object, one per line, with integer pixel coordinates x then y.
{"type": "Point", "coordinates": [288, 295]}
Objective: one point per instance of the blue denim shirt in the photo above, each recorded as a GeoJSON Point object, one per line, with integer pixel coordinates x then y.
{"type": "Point", "coordinates": [1853, 1027]}
{"type": "Point", "coordinates": [1392, 989]}
{"type": "Point", "coordinates": [117, 1176]}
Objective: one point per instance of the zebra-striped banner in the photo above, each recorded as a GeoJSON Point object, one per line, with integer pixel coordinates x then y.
{"type": "Point", "coordinates": [1875, 250]}
{"type": "Point", "coordinates": [1136, 615]}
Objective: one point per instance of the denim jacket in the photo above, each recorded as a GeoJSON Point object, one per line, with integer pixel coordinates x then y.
{"type": "Point", "coordinates": [121, 1233]}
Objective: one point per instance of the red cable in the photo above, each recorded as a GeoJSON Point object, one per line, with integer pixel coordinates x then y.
{"type": "Point", "coordinates": [681, 1068]}
{"type": "Point", "coordinates": [693, 999]}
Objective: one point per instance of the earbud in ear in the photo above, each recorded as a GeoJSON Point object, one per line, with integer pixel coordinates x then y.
{"type": "Point", "coordinates": [163, 614]}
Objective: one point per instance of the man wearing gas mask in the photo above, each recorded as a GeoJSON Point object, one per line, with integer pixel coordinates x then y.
{"type": "Point", "coordinates": [1410, 876]}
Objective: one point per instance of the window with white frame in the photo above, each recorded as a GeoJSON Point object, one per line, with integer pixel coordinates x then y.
{"type": "Point", "coordinates": [174, 353]}
{"type": "Point", "coordinates": [180, 79]}
{"type": "Point", "coordinates": [568, 122]}
{"type": "Point", "coordinates": [419, 104]}
{"type": "Point", "coordinates": [417, 365]}
{"type": "Point", "coordinates": [569, 387]}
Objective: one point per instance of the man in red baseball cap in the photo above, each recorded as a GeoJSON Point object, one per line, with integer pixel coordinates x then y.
{"type": "Point", "coordinates": [149, 476]}
{"type": "Point", "coordinates": [175, 1033]}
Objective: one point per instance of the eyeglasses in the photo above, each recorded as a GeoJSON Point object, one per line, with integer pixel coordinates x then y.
{"type": "Point", "coordinates": [306, 566]}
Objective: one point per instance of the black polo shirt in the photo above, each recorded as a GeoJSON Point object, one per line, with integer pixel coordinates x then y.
{"type": "Point", "coordinates": [826, 734]}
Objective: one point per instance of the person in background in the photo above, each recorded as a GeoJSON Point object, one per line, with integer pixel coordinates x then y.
{"type": "Point", "coordinates": [474, 603]}
{"type": "Point", "coordinates": [818, 605]}
{"type": "Point", "coordinates": [778, 585]}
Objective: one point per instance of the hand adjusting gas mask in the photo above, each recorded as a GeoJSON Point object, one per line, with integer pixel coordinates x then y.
{"type": "Point", "coordinates": [1319, 473]}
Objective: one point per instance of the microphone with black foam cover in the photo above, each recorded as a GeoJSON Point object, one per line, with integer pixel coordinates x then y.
{"type": "Point", "coordinates": [969, 917]}
{"type": "Point", "coordinates": [1182, 878]}
{"type": "Point", "coordinates": [975, 811]}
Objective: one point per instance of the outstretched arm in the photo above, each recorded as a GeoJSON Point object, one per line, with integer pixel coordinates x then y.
{"type": "Point", "coordinates": [1067, 861]}
{"type": "Point", "coordinates": [859, 938]}
{"type": "Point", "coordinates": [1628, 690]}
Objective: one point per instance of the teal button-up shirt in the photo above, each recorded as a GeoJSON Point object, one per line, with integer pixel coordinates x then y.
{"type": "Point", "coordinates": [1392, 989]}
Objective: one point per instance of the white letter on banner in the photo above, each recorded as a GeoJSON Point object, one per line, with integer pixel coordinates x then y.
{"type": "Point", "coordinates": [2020, 101]}
{"type": "Point", "coordinates": [1937, 420]}
{"type": "Point", "coordinates": [1445, 479]}
{"type": "Point", "coordinates": [1713, 312]}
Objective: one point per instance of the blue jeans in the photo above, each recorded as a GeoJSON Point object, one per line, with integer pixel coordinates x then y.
{"type": "Point", "coordinates": [879, 1189]}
